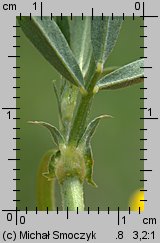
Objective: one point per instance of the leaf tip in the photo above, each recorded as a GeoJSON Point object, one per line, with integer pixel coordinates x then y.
{"type": "Point", "coordinates": [33, 122]}
{"type": "Point", "coordinates": [91, 182]}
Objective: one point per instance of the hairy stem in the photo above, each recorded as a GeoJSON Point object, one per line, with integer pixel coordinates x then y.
{"type": "Point", "coordinates": [72, 194]}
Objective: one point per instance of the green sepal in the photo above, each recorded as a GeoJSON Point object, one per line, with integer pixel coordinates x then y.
{"type": "Point", "coordinates": [55, 133]}
{"type": "Point", "coordinates": [50, 174]}
{"type": "Point", "coordinates": [85, 146]}
{"type": "Point", "coordinates": [89, 162]}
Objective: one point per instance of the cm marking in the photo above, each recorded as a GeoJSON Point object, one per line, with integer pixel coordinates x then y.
{"type": "Point", "coordinates": [149, 221]}
{"type": "Point", "coordinates": [9, 6]}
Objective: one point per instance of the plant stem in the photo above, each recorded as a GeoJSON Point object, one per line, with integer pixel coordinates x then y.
{"type": "Point", "coordinates": [72, 194]}
{"type": "Point", "coordinates": [83, 110]}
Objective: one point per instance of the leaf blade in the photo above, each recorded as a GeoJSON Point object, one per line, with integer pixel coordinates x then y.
{"type": "Point", "coordinates": [86, 137]}
{"type": "Point", "coordinates": [63, 24]}
{"type": "Point", "coordinates": [55, 133]}
{"type": "Point", "coordinates": [127, 75]}
{"type": "Point", "coordinates": [46, 36]}
{"type": "Point", "coordinates": [104, 34]}
{"type": "Point", "coordinates": [81, 41]}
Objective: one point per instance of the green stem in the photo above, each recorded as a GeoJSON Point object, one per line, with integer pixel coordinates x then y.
{"type": "Point", "coordinates": [72, 194]}
{"type": "Point", "coordinates": [83, 110]}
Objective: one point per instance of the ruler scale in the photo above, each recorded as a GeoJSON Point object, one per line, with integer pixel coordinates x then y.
{"type": "Point", "coordinates": [93, 226]}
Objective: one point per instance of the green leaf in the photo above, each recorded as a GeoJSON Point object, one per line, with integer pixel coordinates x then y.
{"type": "Point", "coordinates": [56, 135]}
{"type": "Point", "coordinates": [109, 70]}
{"type": "Point", "coordinates": [49, 40]}
{"type": "Point", "coordinates": [58, 101]}
{"type": "Point", "coordinates": [86, 137]}
{"type": "Point", "coordinates": [127, 75]}
{"type": "Point", "coordinates": [63, 23]}
{"type": "Point", "coordinates": [104, 34]}
{"type": "Point", "coordinates": [81, 41]}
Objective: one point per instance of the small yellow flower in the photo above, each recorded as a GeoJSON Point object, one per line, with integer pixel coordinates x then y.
{"type": "Point", "coordinates": [135, 201]}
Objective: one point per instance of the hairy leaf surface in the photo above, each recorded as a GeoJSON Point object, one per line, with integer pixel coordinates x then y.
{"type": "Point", "coordinates": [127, 75]}
{"type": "Point", "coordinates": [63, 24]}
{"type": "Point", "coordinates": [49, 40]}
{"type": "Point", "coordinates": [104, 34]}
{"type": "Point", "coordinates": [81, 41]}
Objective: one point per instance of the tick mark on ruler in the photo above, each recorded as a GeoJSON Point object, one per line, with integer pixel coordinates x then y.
{"type": "Point", "coordinates": [14, 56]}
{"type": "Point", "coordinates": [67, 212]}
{"type": "Point", "coordinates": [139, 210]}
{"type": "Point", "coordinates": [118, 215]}
{"type": "Point", "coordinates": [145, 170]}
{"type": "Point", "coordinates": [148, 118]}
{"type": "Point", "coordinates": [143, 47]}
{"type": "Point", "coordinates": [88, 210]}
{"type": "Point", "coordinates": [108, 210]}
{"type": "Point", "coordinates": [82, 16]}
{"type": "Point", "coordinates": [98, 210]}
{"type": "Point", "coordinates": [145, 67]}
